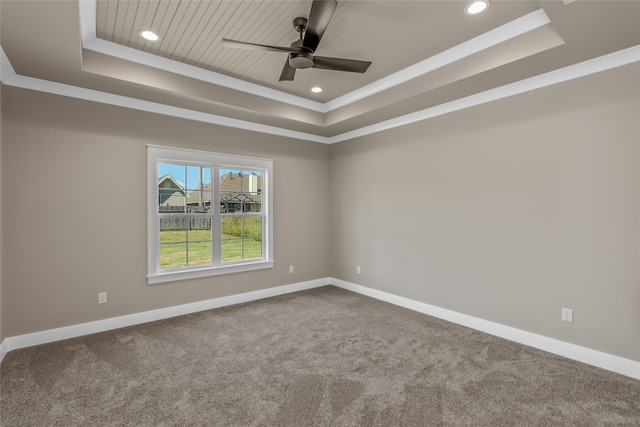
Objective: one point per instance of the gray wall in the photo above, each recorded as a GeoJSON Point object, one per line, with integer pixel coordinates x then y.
{"type": "Point", "coordinates": [1, 244]}
{"type": "Point", "coordinates": [1, 273]}
{"type": "Point", "coordinates": [507, 212]}
{"type": "Point", "coordinates": [74, 210]}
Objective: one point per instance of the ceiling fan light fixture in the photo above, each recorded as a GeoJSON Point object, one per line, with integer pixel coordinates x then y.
{"type": "Point", "coordinates": [300, 61]}
{"type": "Point", "coordinates": [476, 7]}
{"type": "Point", "coordinates": [148, 35]}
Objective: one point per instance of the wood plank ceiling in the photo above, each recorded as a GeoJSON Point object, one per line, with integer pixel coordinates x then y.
{"type": "Point", "coordinates": [392, 34]}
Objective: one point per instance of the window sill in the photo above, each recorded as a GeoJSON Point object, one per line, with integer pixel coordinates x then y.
{"type": "Point", "coordinates": [172, 276]}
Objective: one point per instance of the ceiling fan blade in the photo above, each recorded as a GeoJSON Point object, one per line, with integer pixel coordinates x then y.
{"type": "Point", "coordinates": [288, 72]}
{"type": "Point", "coordinates": [319, 17]}
{"type": "Point", "coordinates": [340, 64]}
{"type": "Point", "coordinates": [255, 46]}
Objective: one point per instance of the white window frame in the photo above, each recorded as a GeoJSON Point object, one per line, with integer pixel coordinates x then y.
{"type": "Point", "coordinates": [158, 154]}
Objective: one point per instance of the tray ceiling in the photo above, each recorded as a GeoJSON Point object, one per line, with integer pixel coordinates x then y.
{"type": "Point", "coordinates": [392, 35]}
{"type": "Point", "coordinates": [424, 54]}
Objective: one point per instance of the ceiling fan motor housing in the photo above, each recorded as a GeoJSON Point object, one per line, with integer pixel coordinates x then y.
{"type": "Point", "coordinates": [301, 59]}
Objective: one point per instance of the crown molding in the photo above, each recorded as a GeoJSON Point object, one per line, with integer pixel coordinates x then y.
{"type": "Point", "coordinates": [10, 78]}
{"type": "Point", "coordinates": [508, 31]}
{"type": "Point", "coordinates": [592, 66]}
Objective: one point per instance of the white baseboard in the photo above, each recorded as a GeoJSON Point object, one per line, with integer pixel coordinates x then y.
{"type": "Point", "coordinates": [606, 361]}
{"type": "Point", "coordinates": [602, 360]}
{"type": "Point", "coordinates": [51, 335]}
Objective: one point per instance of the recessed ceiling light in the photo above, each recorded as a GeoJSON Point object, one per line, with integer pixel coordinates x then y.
{"type": "Point", "coordinates": [316, 89]}
{"type": "Point", "coordinates": [148, 35]}
{"type": "Point", "coordinates": [476, 7]}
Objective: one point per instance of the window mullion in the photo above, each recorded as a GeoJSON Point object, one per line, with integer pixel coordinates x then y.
{"type": "Point", "coordinates": [216, 221]}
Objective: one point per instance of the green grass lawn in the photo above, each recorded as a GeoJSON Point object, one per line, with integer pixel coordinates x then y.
{"type": "Point", "coordinates": [173, 249]}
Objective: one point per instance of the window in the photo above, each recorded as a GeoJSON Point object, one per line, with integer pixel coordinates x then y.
{"type": "Point", "coordinates": [208, 213]}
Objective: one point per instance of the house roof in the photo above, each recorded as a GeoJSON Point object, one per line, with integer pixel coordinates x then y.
{"type": "Point", "coordinates": [234, 188]}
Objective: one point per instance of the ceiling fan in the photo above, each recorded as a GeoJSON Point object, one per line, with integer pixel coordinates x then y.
{"type": "Point", "coordinates": [302, 51]}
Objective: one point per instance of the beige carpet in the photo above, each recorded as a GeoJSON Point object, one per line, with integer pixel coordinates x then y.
{"type": "Point", "coordinates": [324, 357]}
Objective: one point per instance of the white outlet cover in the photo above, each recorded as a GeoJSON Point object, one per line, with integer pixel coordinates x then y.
{"type": "Point", "coordinates": [567, 315]}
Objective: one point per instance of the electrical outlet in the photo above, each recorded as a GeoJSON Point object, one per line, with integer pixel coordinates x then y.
{"type": "Point", "coordinates": [290, 269]}
{"type": "Point", "coordinates": [358, 270]}
{"type": "Point", "coordinates": [567, 314]}
{"type": "Point", "coordinates": [102, 298]}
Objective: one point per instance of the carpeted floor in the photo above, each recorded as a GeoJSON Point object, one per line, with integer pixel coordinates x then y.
{"type": "Point", "coordinates": [324, 357]}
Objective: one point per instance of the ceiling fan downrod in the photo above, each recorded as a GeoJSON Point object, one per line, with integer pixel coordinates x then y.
{"type": "Point", "coordinates": [303, 56]}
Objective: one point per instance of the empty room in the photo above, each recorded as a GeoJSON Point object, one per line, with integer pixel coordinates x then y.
{"type": "Point", "coordinates": [427, 213]}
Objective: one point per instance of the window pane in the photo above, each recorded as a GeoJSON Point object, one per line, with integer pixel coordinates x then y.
{"type": "Point", "coordinates": [253, 203]}
{"type": "Point", "coordinates": [231, 250]}
{"type": "Point", "coordinates": [231, 227]}
{"type": "Point", "coordinates": [173, 230]}
{"type": "Point", "coordinates": [254, 182]}
{"type": "Point", "coordinates": [173, 170]}
{"type": "Point", "coordinates": [199, 201]}
{"type": "Point", "coordinates": [173, 246]}
{"type": "Point", "coordinates": [198, 189]}
{"type": "Point", "coordinates": [240, 191]}
{"type": "Point", "coordinates": [255, 192]}
{"type": "Point", "coordinates": [242, 238]}
{"type": "Point", "coordinates": [171, 194]}
{"type": "Point", "coordinates": [170, 200]}
{"type": "Point", "coordinates": [185, 242]}
{"type": "Point", "coordinates": [252, 248]}
{"type": "Point", "coordinates": [231, 180]}
{"type": "Point", "coordinates": [252, 233]}
{"type": "Point", "coordinates": [199, 229]}
{"type": "Point", "coordinates": [241, 249]}
{"type": "Point", "coordinates": [173, 255]}
{"type": "Point", "coordinates": [198, 177]}
{"type": "Point", "coordinates": [230, 202]}
{"type": "Point", "coordinates": [171, 175]}
{"type": "Point", "coordinates": [200, 253]}
{"type": "Point", "coordinates": [252, 226]}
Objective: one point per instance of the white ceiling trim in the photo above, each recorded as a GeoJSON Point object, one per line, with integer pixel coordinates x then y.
{"type": "Point", "coordinates": [510, 30]}
{"type": "Point", "coordinates": [592, 66]}
{"type": "Point", "coordinates": [10, 78]}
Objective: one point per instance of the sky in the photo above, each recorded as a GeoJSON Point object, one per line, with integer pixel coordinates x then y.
{"type": "Point", "coordinates": [187, 176]}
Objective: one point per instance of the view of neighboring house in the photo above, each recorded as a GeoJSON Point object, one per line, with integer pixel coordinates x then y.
{"type": "Point", "coordinates": [171, 193]}
{"type": "Point", "coordinates": [239, 192]}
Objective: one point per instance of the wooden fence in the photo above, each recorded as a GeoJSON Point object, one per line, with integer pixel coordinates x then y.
{"type": "Point", "coordinates": [182, 223]}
